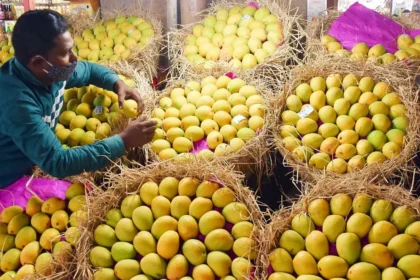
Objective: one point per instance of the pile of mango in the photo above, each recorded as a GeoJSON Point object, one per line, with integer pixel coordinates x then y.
{"type": "Point", "coordinates": [32, 238]}
{"type": "Point", "coordinates": [224, 112]}
{"type": "Point", "coordinates": [343, 124]}
{"type": "Point", "coordinates": [408, 48]}
{"type": "Point", "coordinates": [89, 113]}
{"type": "Point", "coordinates": [175, 229]}
{"type": "Point", "coordinates": [6, 50]}
{"type": "Point", "coordinates": [354, 239]}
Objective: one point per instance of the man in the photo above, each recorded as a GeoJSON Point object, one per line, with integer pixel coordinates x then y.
{"type": "Point", "coordinates": [31, 98]}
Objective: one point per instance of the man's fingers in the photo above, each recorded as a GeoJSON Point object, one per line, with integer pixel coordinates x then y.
{"type": "Point", "coordinates": [136, 97]}
{"type": "Point", "coordinates": [149, 124]}
{"type": "Point", "coordinates": [121, 98]}
{"type": "Point", "coordinates": [149, 130]}
{"type": "Point", "coordinates": [140, 119]}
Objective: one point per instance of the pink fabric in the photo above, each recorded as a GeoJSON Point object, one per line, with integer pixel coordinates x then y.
{"type": "Point", "coordinates": [254, 4]}
{"type": "Point", "coordinates": [360, 24]}
{"type": "Point", "coordinates": [19, 193]}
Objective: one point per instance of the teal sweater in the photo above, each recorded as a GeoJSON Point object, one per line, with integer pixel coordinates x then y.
{"type": "Point", "coordinates": [29, 112]}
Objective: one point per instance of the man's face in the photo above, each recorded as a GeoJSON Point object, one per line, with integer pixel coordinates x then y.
{"type": "Point", "coordinates": [61, 55]}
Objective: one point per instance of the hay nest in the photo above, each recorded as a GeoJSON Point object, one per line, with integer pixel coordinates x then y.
{"type": "Point", "coordinates": [402, 83]}
{"type": "Point", "coordinates": [281, 220]}
{"type": "Point", "coordinates": [288, 53]}
{"type": "Point", "coordinates": [129, 181]}
{"type": "Point", "coordinates": [254, 157]}
{"type": "Point", "coordinates": [319, 26]}
{"type": "Point", "coordinates": [147, 58]}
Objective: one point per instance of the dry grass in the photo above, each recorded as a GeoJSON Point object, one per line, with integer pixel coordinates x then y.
{"type": "Point", "coordinates": [281, 220]}
{"type": "Point", "coordinates": [147, 58]}
{"type": "Point", "coordinates": [130, 180]}
{"type": "Point", "coordinates": [289, 53]}
{"type": "Point", "coordinates": [400, 80]}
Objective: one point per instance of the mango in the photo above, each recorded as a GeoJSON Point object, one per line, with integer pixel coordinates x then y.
{"type": "Point", "coordinates": [10, 260]}
{"type": "Point", "coordinates": [43, 264]}
{"type": "Point", "coordinates": [333, 226]}
{"type": "Point", "coordinates": [362, 203]}
{"type": "Point", "coordinates": [3, 228]}
{"type": "Point", "coordinates": [403, 245]}
{"type": "Point", "coordinates": [144, 243]}
{"type": "Point", "coordinates": [365, 271]}
{"type": "Point", "coordinates": [72, 235]}
{"type": "Point", "coordinates": [17, 223]}
{"type": "Point", "coordinates": [128, 205]}
{"type": "Point", "coordinates": [318, 210]}
{"type": "Point", "coordinates": [168, 187]}
{"type": "Point", "coordinates": [242, 229]}
{"type": "Point", "coordinates": [33, 206]}
{"type": "Point", "coordinates": [377, 254]}
{"type": "Point", "coordinates": [210, 221]}
{"type": "Point", "coordinates": [304, 264]}
{"type": "Point", "coordinates": [74, 190]}
{"type": "Point", "coordinates": [105, 236]}
{"type": "Point", "coordinates": [30, 253]}
{"type": "Point", "coordinates": [168, 244]}
{"type": "Point", "coordinates": [392, 273]}
{"type": "Point", "coordinates": [341, 204]}
{"type": "Point", "coordinates": [220, 263]}
{"type": "Point", "coordinates": [359, 224]}
{"type": "Point", "coordinates": [308, 277]}
{"type": "Point", "coordinates": [104, 274]}
{"type": "Point", "coordinates": [222, 197]}
{"type": "Point", "coordinates": [316, 243]}
{"type": "Point", "coordinates": [52, 205]}
{"type": "Point", "coordinates": [219, 240]}
{"type": "Point", "coordinates": [292, 242]}
{"type": "Point", "coordinates": [148, 191]}
{"type": "Point", "coordinates": [410, 266]}
{"type": "Point", "coordinates": [8, 213]}
{"type": "Point", "coordinates": [7, 242]}
{"type": "Point", "coordinates": [59, 220]}
{"type": "Point", "coordinates": [125, 230]}
{"type": "Point", "coordinates": [123, 251]}
{"type": "Point", "coordinates": [207, 189]}
{"type": "Point", "coordinates": [126, 269]}
{"type": "Point", "coordinates": [349, 247]}
{"type": "Point", "coordinates": [177, 267]}
{"type": "Point", "coordinates": [414, 230]}
{"type": "Point", "coordinates": [241, 268]}
{"type": "Point", "coordinates": [27, 271]}
{"type": "Point", "coordinates": [78, 218]}
{"type": "Point", "coordinates": [332, 266]}
{"type": "Point", "coordinates": [195, 251]}
{"type": "Point", "coordinates": [187, 227]}
{"type": "Point", "coordinates": [62, 250]}
{"type": "Point", "coordinates": [281, 261]}
{"type": "Point", "coordinates": [101, 257]}
{"type": "Point", "coordinates": [40, 222]}
{"type": "Point", "coordinates": [302, 224]}
{"type": "Point", "coordinates": [381, 210]}
{"type": "Point", "coordinates": [77, 203]}
{"type": "Point", "coordinates": [10, 275]}
{"type": "Point", "coordinates": [402, 217]}
{"type": "Point", "coordinates": [188, 186]}
{"type": "Point", "coordinates": [143, 218]}
{"type": "Point", "coordinates": [113, 216]}
{"type": "Point", "coordinates": [204, 272]}
{"type": "Point", "coordinates": [143, 277]}
{"type": "Point", "coordinates": [163, 224]}
{"type": "Point", "coordinates": [161, 206]}
{"type": "Point", "coordinates": [25, 236]}
{"type": "Point", "coordinates": [382, 232]}
{"type": "Point", "coordinates": [280, 276]}
{"type": "Point", "coordinates": [245, 247]}
{"type": "Point", "coordinates": [235, 212]}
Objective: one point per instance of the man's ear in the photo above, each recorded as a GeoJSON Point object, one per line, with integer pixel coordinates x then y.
{"type": "Point", "coordinates": [36, 62]}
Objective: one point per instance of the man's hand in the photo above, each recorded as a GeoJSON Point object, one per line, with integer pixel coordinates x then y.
{"type": "Point", "coordinates": [125, 92]}
{"type": "Point", "coordinates": [138, 133]}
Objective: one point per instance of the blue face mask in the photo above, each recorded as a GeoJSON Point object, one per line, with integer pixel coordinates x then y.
{"type": "Point", "coordinates": [60, 73]}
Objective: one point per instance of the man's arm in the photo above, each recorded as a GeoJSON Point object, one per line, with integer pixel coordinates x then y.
{"type": "Point", "coordinates": [91, 73]}
{"type": "Point", "coordinates": [38, 142]}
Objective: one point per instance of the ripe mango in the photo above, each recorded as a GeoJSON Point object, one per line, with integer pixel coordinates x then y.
{"type": "Point", "coordinates": [104, 274]}
{"type": "Point", "coordinates": [363, 270]}
{"type": "Point", "coordinates": [144, 243]}
{"type": "Point", "coordinates": [359, 224]}
{"type": "Point", "coordinates": [381, 210]}
{"type": "Point", "coordinates": [25, 236]}
{"type": "Point", "coordinates": [25, 272]}
{"type": "Point", "coordinates": [143, 218]}
{"type": "Point", "coordinates": [382, 232]}
{"type": "Point", "coordinates": [402, 217]}
{"type": "Point", "coordinates": [128, 205]}
{"type": "Point", "coordinates": [127, 269]}
{"type": "Point", "coordinates": [292, 242]}
{"type": "Point", "coordinates": [74, 190]}
{"type": "Point", "coordinates": [168, 244]}
{"type": "Point", "coordinates": [414, 230]}
{"type": "Point", "coordinates": [362, 203]}
{"type": "Point", "coordinates": [245, 247]}
{"type": "Point", "coordinates": [125, 230]}
{"type": "Point", "coordinates": [220, 263]}
{"type": "Point", "coordinates": [180, 206]}
{"type": "Point", "coordinates": [349, 247]}
{"type": "Point", "coordinates": [241, 268]}
{"type": "Point", "coordinates": [43, 264]}
{"type": "Point", "coordinates": [403, 245]}
{"type": "Point", "coordinates": [195, 251]}
{"type": "Point", "coordinates": [305, 264]}
{"type": "Point", "coordinates": [392, 273]}
{"type": "Point", "coordinates": [72, 235]}
{"type": "Point", "coordinates": [210, 221]}
{"type": "Point", "coordinates": [3, 228]}
{"type": "Point", "coordinates": [77, 203]}
{"type": "Point", "coordinates": [148, 191]}
{"type": "Point", "coordinates": [30, 253]}
{"type": "Point", "coordinates": [101, 257]}
{"type": "Point", "coordinates": [219, 240]}
{"type": "Point", "coordinates": [62, 250]}
{"type": "Point", "coordinates": [105, 236]}
{"type": "Point", "coordinates": [333, 226]}
{"type": "Point", "coordinates": [377, 254]}
{"type": "Point", "coordinates": [341, 204]}
{"type": "Point", "coordinates": [199, 206]}
{"type": "Point", "coordinates": [235, 212]}
{"type": "Point", "coordinates": [318, 210]}
{"type": "Point", "coordinates": [207, 189]}
{"type": "Point", "coordinates": [242, 229]}
{"type": "Point", "coordinates": [17, 223]}
{"type": "Point", "coordinates": [7, 242]}
{"type": "Point", "coordinates": [153, 265]}
{"type": "Point", "coordinates": [123, 251]}
{"type": "Point", "coordinates": [188, 186]}
{"type": "Point", "coordinates": [163, 224]}
{"type": "Point", "coordinates": [8, 213]}
{"type": "Point", "coordinates": [52, 205]}
{"type": "Point", "coordinates": [10, 260]}
{"type": "Point", "coordinates": [113, 216]}
{"type": "Point", "coordinates": [77, 218]}
{"type": "Point", "coordinates": [281, 261]}
{"type": "Point", "coordinates": [203, 271]}
{"type": "Point", "coordinates": [59, 220]}
{"type": "Point", "coordinates": [302, 224]}
{"type": "Point", "coordinates": [187, 227]}
{"type": "Point", "coordinates": [280, 276]}
{"type": "Point", "coordinates": [332, 267]}
{"type": "Point", "coordinates": [33, 206]}
{"type": "Point", "coordinates": [177, 267]}
{"type": "Point", "coordinates": [168, 187]}
{"type": "Point", "coordinates": [410, 266]}
{"type": "Point", "coordinates": [40, 222]}
{"type": "Point", "coordinates": [316, 243]}
{"type": "Point", "coordinates": [161, 206]}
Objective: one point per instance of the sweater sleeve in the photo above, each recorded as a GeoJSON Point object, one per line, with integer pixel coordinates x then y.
{"type": "Point", "coordinates": [87, 73]}
{"type": "Point", "coordinates": [39, 143]}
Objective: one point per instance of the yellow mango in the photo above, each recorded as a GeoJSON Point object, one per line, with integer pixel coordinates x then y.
{"type": "Point", "coordinates": [332, 266]}
{"type": "Point", "coordinates": [303, 224]}
{"type": "Point", "coordinates": [333, 226]}
{"type": "Point", "coordinates": [281, 261]}
{"type": "Point", "coordinates": [292, 242]}
{"type": "Point", "coordinates": [316, 243]}
{"type": "Point", "coordinates": [349, 247]}
{"type": "Point", "coordinates": [359, 224]}
{"type": "Point", "coordinates": [304, 263]}
{"type": "Point", "coordinates": [378, 255]}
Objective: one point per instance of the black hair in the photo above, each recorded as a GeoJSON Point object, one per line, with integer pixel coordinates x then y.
{"type": "Point", "coordinates": [34, 33]}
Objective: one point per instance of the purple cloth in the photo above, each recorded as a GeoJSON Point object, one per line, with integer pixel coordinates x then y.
{"type": "Point", "coordinates": [18, 194]}
{"type": "Point", "coordinates": [360, 24]}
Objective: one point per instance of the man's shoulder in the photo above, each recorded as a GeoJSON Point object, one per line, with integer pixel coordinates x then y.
{"type": "Point", "coordinates": [7, 77]}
